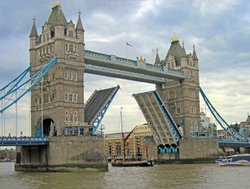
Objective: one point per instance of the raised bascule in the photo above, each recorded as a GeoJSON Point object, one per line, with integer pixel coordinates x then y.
{"type": "Point", "coordinates": [63, 127]}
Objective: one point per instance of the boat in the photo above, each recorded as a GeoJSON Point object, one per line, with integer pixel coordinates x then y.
{"type": "Point", "coordinates": [131, 162]}
{"type": "Point", "coordinates": [143, 163]}
{"type": "Point", "coordinates": [234, 160]}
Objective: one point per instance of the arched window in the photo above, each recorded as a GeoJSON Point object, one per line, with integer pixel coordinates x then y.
{"type": "Point", "coordinates": [70, 98]}
{"type": "Point", "coordinates": [66, 116]}
{"type": "Point", "coordinates": [65, 75]}
{"type": "Point", "coordinates": [66, 97]}
{"type": "Point", "coordinates": [74, 97]}
{"type": "Point", "coordinates": [75, 116]}
{"type": "Point", "coordinates": [75, 76]}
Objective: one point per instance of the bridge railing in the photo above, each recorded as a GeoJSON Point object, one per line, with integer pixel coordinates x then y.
{"type": "Point", "coordinates": [20, 141]}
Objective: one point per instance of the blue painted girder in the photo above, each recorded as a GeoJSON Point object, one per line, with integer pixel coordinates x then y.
{"type": "Point", "coordinates": [236, 135]}
{"type": "Point", "coordinates": [21, 88]}
{"type": "Point", "coordinates": [24, 141]}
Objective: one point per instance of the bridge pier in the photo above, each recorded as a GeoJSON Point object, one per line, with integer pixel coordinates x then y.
{"type": "Point", "coordinates": [199, 148]}
{"type": "Point", "coordinates": [64, 153]}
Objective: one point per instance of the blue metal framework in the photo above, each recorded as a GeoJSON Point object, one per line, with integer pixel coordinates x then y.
{"type": "Point", "coordinates": [97, 120]}
{"type": "Point", "coordinates": [173, 128]}
{"type": "Point", "coordinates": [164, 129]}
{"type": "Point", "coordinates": [17, 88]}
{"type": "Point", "coordinates": [229, 129]}
{"type": "Point", "coordinates": [7, 88]}
{"type": "Point", "coordinates": [23, 141]}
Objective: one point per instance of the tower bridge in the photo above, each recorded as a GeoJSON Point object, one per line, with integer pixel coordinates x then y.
{"type": "Point", "coordinates": [57, 99]}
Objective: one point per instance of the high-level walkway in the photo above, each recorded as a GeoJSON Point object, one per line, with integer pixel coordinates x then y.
{"type": "Point", "coordinates": [114, 66]}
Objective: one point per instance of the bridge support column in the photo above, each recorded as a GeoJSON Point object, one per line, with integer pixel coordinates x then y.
{"type": "Point", "coordinates": [200, 148]}
{"type": "Point", "coordinates": [31, 158]}
{"type": "Point", "coordinates": [64, 153]}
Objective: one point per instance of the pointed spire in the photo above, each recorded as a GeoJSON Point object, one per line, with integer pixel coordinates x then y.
{"type": "Point", "coordinates": [79, 26]}
{"type": "Point", "coordinates": [194, 53]}
{"type": "Point", "coordinates": [56, 17]}
{"type": "Point", "coordinates": [176, 50]}
{"type": "Point", "coordinates": [157, 58]}
{"type": "Point", "coordinates": [33, 32]}
{"type": "Point", "coordinates": [183, 47]}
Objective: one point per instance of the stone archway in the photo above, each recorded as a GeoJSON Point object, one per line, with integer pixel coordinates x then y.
{"type": "Point", "coordinates": [46, 126]}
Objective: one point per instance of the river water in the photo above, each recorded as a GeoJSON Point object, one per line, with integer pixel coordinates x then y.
{"type": "Point", "coordinates": [160, 176]}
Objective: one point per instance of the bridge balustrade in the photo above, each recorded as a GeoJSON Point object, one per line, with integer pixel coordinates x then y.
{"type": "Point", "coordinates": [22, 141]}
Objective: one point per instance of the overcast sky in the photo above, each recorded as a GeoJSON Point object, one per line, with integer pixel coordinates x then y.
{"type": "Point", "coordinates": [220, 31]}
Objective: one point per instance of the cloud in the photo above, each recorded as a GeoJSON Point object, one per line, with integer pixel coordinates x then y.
{"type": "Point", "coordinates": [146, 7]}
{"type": "Point", "coordinates": [214, 7]}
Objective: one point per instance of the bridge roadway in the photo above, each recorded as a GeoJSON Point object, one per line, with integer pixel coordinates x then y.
{"type": "Point", "coordinates": [24, 141]}
{"type": "Point", "coordinates": [113, 66]}
{"type": "Point", "coordinates": [38, 141]}
{"type": "Point", "coordinates": [161, 123]}
{"type": "Point", "coordinates": [226, 143]}
{"type": "Point", "coordinates": [97, 105]}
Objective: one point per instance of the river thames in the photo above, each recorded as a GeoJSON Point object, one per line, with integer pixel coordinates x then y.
{"type": "Point", "coordinates": [160, 176]}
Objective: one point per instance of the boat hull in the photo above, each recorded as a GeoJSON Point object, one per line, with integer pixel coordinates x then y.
{"type": "Point", "coordinates": [132, 164]}
{"type": "Point", "coordinates": [235, 160]}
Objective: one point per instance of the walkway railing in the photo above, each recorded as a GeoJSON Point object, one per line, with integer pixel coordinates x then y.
{"type": "Point", "coordinates": [23, 141]}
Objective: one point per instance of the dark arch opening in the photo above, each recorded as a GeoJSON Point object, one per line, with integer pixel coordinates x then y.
{"type": "Point", "coordinates": [46, 126]}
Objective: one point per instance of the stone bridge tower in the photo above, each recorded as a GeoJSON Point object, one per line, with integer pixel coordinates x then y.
{"type": "Point", "coordinates": [59, 99]}
{"type": "Point", "coordinates": [182, 97]}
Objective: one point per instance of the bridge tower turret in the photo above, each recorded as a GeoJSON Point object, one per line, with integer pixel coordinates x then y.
{"type": "Point", "coordinates": [59, 98]}
{"type": "Point", "coordinates": [182, 97]}
{"type": "Point", "coordinates": [33, 40]}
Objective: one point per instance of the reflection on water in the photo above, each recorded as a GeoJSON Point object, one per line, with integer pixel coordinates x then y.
{"type": "Point", "coordinates": [160, 176]}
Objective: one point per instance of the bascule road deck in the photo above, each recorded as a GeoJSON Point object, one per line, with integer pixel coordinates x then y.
{"type": "Point", "coordinates": [164, 129]}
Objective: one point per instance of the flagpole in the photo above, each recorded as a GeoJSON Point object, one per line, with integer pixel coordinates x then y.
{"type": "Point", "coordinates": [127, 44]}
{"type": "Point", "coordinates": [153, 52]}
{"type": "Point", "coordinates": [127, 51]}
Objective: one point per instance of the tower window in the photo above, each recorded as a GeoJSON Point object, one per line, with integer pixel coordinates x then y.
{"type": "Point", "coordinates": [75, 116]}
{"type": "Point", "coordinates": [76, 76]}
{"type": "Point", "coordinates": [66, 75]}
{"type": "Point", "coordinates": [66, 116]}
{"type": "Point", "coordinates": [71, 48]}
{"type": "Point", "coordinates": [52, 34]}
{"type": "Point", "coordinates": [70, 33]}
{"type": "Point", "coordinates": [66, 97]}
{"type": "Point", "coordinates": [70, 97]}
{"type": "Point", "coordinates": [74, 98]}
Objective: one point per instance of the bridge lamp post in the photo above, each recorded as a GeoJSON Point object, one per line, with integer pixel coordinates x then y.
{"type": "Point", "coordinates": [16, 112]}
{"type": "Point", "coordinates": [42, 107]}
{"type": "Point", "coordinates": [123, 141]}
{"type": "Point", "coordinates": [2, 116]}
